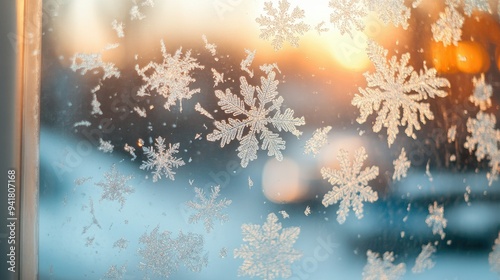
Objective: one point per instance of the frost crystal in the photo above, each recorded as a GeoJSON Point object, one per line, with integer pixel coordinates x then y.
{"type": "Point", "coordinates": [257, 119]}
{"type": "Point", "coordinates": [320, 28]}
{"type": "Point", "coordinates": [121, 244]}
{"type": "Point", "coordinates": [135, 12]}
{"type": "Point", "coordinates": [448, 28]}
{"type": "Point", "coordinates": [436, 219]}
{"type": "Point", "coordinates": [162, 255]}
{"type": "Point", "coordinates": [401, 166]}
{"type": "Point", "coordinates": [171, 78]}
{"type": "Point", "coordinates": [494, 257]}
{"type": "Point", "coordinates": [105, 146]}
{"type": "Point", "coordinates": [482, 93]}
{"type": "Point", "coordinates": [350, 184]}
{"type": "Point", "coordinates": [92, 62]}
{"type": "Point", "coordinates": [348, 15]}
{"type": "Point", "coordinates": [131, 151]}
{"type": "Point", "coordinates": [115, 186]}
{"type": "Point", "coordinates": [280, 25]}
{"type": "Point", "coordinates": [94, 219]}
{"type": "Point", "coordinates": [392, 11]}
{"type": "Point", "coordinates": [118, 27]}
{"type": "Point", "coordinates": [218, 77]}
{"type": "Point", "coordinates": [452, 133]}
{"type": "Point", "coordinates": [307, 212]}
{"type": "Point", "coordinates": [424, 259]}
{"type": "Point", "coordinates": [377, 268]}
{"type": "Point", "coordinates": [284, 214]}
{"type": "Point", "coordinates": [318, 140]}
{"type": "Point", "coordinates": [208, 208]}
{"type": "Point", "coordinates": [162, 160]}
{"type": "Point", "coordinates": [476, 5]}
{"type": "Point", "coordinates": [115, 273]}
{"type": "Point", "coordinates": [268, 253]}
{"type": "Point", "coordinates": [396, 88]}
{"type": "Point", "coordinates": [202, 111]}
{"type": "Point", "coordinates": [96, 106]}
{"type": "Point", "coordinates": [245, 63]}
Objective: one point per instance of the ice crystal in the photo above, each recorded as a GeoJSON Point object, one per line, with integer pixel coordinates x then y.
{"type": "Point", "coordinates": [378, 268]}
{"type": "Point", "coordinates": [350, 184]}
{"type": "Point", "coordinates": [448, 28]}
{"type": "Point", "coordinates": [482, 93]}
{"type": "Point", "coordinates": [162, 160]}
{"type": "Point", "coordinates": [115, 186]}
{"type": "Point", "coordinates": [394, 88]}
{"type": "Point", "coordinates": [140, 111]}
{"type": "Point", "coordinates": [223, 253]}
{"type": "Point", "coordinates": [135, 11]}
{"type": "Point", "coordinates": [171, 78]}
{"type": "Point", "coordinates": [250, 182]}
{"type": "Point", "coordinates": [163, 255]}
{"type": "Point", "coordinates": [118, 28]}
{"type": "Point", "coordinates": [218, 77]}
{"type": "Point", "coordinates": [284, 214]}
{"type": "Point", "coordinates": [82, 123]}
{"type": "Point", "coordinates": [131, 151]}
{"type": "Point", "coordinates": [436, 219]}
{"type": "Point", "coordinates": [209, 208]}
{"type": "Point", "coordinates": [424, 259]}
{"type": "Point", "coordinates": [212, 48]}
{"type": "Point", "coordinates": [94, 219]}
{"type": "Point", "coordinates": [121, 244]}
{"type": "Point", "coordinates": [476, 5]}
{"type": "Point", "coordinates": [245, 63]}
{"type": "Point", "coordinates": [318, 140]}
{"type": "Point", "coordinates": [96, 106]}
{"type": "Point", "coordinates": [257, 119]}
{"type": "Point", "coordinates": [401, 166]}
{"type": "Point", "coordinates": [280, 25]}
{"type": "Point", "coordinates": [320, 28]}
{"type": "Point", "coordinates": [307, 212]}
{"type": "Point", "coordinates": [82, 180]}
{"type": "Point", "coordinates": [105, 146]}
{"type": "Point", "coordinates": [494, 257]}
{"type": "Point", "coordinates": [202, 111]}
{"type": "Point", "coordinates": [115, 273]}
{"type": "Point", "coordinates": [89, 241]}
{"type": "Point", "coordinates": [85, 62]}
{"type": "Point", "coordinates": [392, 11]}
{"type": "Point", "coordinates": [484, 137]}
{"type": "Point", "coordinates": [269, 251]}
{"type": "Point", "coordinates": [348, 15]}
{"type": "Point", "coordinates": [452, 133]}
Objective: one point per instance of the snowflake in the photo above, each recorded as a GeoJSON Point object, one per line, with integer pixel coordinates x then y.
{"type": "Point", "coordinates": [452, 133]}
{"type": "Point", "coordinates": [162, 255]}
{"type": "Point", "coordinates": [257, 117]}
{"type": "Point", "coordinates": [484, 137]}
{"type": "Point", "coordinates": [96, 106]}
{"type": "Point", "coordinates": [318, 140]}
{"type": "Point", "coordinates": [162, 160]}
{"type": "Point", "coordinates": [476, 5]}
{"type": "Point", "coordinates": [424, 259]}
{"type": "Point", "coordinates": [391, 11]}
{"type": "Point", "coordinates": [395, 87]}
{"type": "Point", "coordinates": [401, 166]}
{"type": "Point", "coordinates": [115, 273]}
{"type": "Point", "coordinates": [284, 214]}
{"type": "Point", "coordinates": [494, 257]}
{"type": "Point", "coordinates": [121, 244]}
{"type": "Point", "coordinates": [115, 186]}
{"type": "Point", "coordinates": [482, 93]}
{"type": "Point", "coordinates": [118, 28]}
{"type": "Point", "coordinates": [92, 62]}
{"type": "Point", "coordinates": [448, 28]}
{"type": "Point", "coordinates": [280, 25]}
{"type": "Point", "coordinates": [350, 184]}
{"type": "Point", "coordinates": [105, 146]}
{"type": "Point", "coordinates": [268, 253]}
{"type": "Point", "coordinates": [171, 78]}
{"type": "Point", "coordinates": [436, 219]}
{"type": "Point", "coordinates": [348, 15]}
{"type": "Point", "coordinates": [208, 208]}
{"type": "Point", "coordinates": [377, 268]}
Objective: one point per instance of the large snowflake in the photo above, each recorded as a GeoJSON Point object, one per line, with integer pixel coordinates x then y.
{"type": "Point", "coordinates": [348, 15]}
{"type": "Point", "coordinates": [377, 268]}
{"type": "Point", "coordinates": [269, 250]}
{"type": "Point", "coordinates": [162, 255]}
{"type": "Point", "coordinates": [280, 25]}
{"type": "Point", "coordinates": [350, 184]}
{"type": "Point", "coordinates": [258, 118]}
{"type": "Point", "coordinates": [494, 257]}
{"type": "Point", "coordinates": [115, 186]}
{"type": "Point", "coordinates": [436, 219]}
{"type": "Point", "coordinates": [171, 78]}
{"type": "Point", "coordinates": [162, 160]}
{"type": "Point", "coordinates": [448, 28]}
{"type": "Point", "coordinates": [396, 88]}
{"type": "Point", "coordinates": [208, 208]}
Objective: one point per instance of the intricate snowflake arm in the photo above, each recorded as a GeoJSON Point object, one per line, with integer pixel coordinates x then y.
{"type": "Point", "coordinates": [287, 122]}
{"type": "Point", "coordinates": [273, 143]}
{"type": "Point", "coordinates": [247, 150]}
{"type": "Point", "coordinates": [401, 166]}
{"type": "Point", "coordinates": [268, 90]}
{"type": "Point", "coordinates": [226, 132]}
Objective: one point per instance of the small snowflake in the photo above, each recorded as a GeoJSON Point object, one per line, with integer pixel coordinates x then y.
{"type": "Point", "coordinates": [350, 184]}
{"type": "Point", "coordinates": [484, 137]}
{"type": "Point", "coordinates": [377, 268]}
{"type": "Point", "coordinates": [482, 93]}
{"type": "Point", "coordinates": [92, 62]}
{"type": "Point", "coordinates": [171, 78]}
{"type": "Point", "coordinates": [424, 259]}
{"type": "Point", "coordinates": [494, 257]}
{"type": "Point", "coordinates": [448, 28]}
{"type": "Point", "coordinates": [162, 160]}
{"type": "Point", "coordinates": [395, 88]}
{"type": "Point", "coordinates": [280, 25]}
{"type": "Point", "coordinates": [307, 212]}
{"type": "Point", "coordinates": [115, 273]}
{"type": "Point", "coordinates": [257, 119]}
{"type": "Point", "coordinates": [105, 146]}
{"type": "Point", "coordinates": [284, 214]}
{"type": "Point", "coordinates": [162, 255]}
{"type": "Point", "coordinates": [318, 140]}
{"type": "Point", "coordinates": [401, 166]}
{"type": "Point", "coordinates": [436, 219]}
{"type": "Point", "coordinates": [348, 15]}
{"type": "Point", "coordinates": [208, 208]}
{"type": "Point", "coordinates": [268, 253]}
{"type": "Point", "coordinates": [115, 186]}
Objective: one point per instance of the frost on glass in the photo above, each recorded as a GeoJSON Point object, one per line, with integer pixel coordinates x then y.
{"type": "Point", "coordinates": [268, 250]}
{"type": "Point", "coordinates": [350, 184]}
